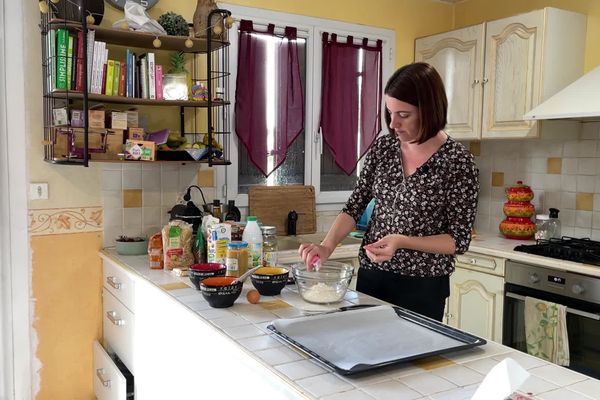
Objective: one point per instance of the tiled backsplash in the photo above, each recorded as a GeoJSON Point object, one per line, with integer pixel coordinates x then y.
{"type": "Point", "coordinates": [562, 168]}
{"type": "Point", "coordinates": [136, 197]}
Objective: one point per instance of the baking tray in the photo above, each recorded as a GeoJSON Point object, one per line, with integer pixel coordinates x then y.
{"type": "Point", "coordinates": [364, 339]}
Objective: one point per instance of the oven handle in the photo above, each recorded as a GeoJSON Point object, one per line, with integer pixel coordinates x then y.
{"type": "Point", "coordinates": [569, 309]}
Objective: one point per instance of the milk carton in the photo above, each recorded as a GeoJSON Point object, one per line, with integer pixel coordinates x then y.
{"type": "Point", "coordinates": [217, 238]}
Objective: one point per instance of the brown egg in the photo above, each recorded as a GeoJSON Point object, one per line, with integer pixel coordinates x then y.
{"type": "Point", "coordinates": [253, 296]}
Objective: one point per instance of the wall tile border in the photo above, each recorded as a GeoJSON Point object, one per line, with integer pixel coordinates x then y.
{"type": "Point", "coordinates": [60, 221]}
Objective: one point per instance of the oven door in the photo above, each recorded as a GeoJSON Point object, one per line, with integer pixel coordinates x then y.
{"type": "Point", "coordinates": [583, 326]}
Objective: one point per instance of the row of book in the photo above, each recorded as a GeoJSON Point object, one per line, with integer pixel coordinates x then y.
{"type": "Point", "coordinates": [137, 76]}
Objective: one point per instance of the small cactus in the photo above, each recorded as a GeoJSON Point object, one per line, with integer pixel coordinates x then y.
{"type": "Point", "coordinates": [174, 24]}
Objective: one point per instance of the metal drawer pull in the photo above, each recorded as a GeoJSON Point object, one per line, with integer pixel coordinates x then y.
{"type": "Point", "coordinates": [112, 281]}
{"type": "Point", "coordinates": [569, 309]}
{"type": "Point", "coordinates": [112, 316]}
{"type": "Point", "coordinates": [100, 375]}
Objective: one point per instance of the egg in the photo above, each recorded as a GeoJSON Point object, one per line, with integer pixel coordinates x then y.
{"type": "Point", "coordinates": [253, 296]}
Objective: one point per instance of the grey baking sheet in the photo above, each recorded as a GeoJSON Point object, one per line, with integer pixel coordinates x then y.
{"type": "Point", "coordinates": [363, 339]}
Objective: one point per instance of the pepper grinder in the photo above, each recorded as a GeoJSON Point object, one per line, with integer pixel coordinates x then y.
{"type": "Point", "coordinates": [292, 220]}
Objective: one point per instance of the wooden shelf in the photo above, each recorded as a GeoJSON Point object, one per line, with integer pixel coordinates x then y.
{"type": "Point", "coordinates": [128, 38]}
{"type": "Point", "coordinates": [101, 98]}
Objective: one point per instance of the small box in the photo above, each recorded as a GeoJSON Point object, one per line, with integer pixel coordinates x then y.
{"type": "Point", "coordinates": [117, 120]}
{"type": "Point", "coordinates": [140, 150]}
{"type": "Point", "coordinates": [132, 119]}
{"type": "Point", "coordinates": [98, 147]}
{"type": "Point", "coordinates": [60, 117]}
{"type": "Point", "coordinates": [77, 118]}
{"type": "Point", "coordinates": [114, 146]}
{"type": "Point", "coordinates": [135, 133]}
{"type": "Point", "coordinates": [96, 119]}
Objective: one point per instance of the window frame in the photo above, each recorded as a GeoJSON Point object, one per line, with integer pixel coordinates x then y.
{"type": "Point", "coordinates": [310, 28]}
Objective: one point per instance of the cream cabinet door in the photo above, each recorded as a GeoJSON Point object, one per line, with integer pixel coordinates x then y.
{"type": "Point", "coordinates": [512, 75]}
{"type": "Point", "coordinates": [458, 58]}
{"type": "Point", "coordinates": [476, 303]}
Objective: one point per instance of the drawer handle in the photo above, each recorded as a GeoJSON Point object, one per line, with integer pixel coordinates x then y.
{"type": "Point", "coordinates": [112, 281]}
{"type": "Point", "coordinates": [112, 316]}
{"type": "Point", "coordinates": [100, 375]}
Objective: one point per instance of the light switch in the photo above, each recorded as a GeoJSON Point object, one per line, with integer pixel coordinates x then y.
{"type": "Point", "coordinates": [38, 191]}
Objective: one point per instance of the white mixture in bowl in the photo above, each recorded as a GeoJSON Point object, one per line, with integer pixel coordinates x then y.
{"type": "Point", "coordinates": [321, 293]}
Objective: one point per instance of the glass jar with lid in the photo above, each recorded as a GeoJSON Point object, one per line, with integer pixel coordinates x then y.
{"type": "Point", "coordinates": [269, 246]}
{"type": "Point", "coordinates": [542, 227]}
{"type": "Point", "coordinates": [237, 258]}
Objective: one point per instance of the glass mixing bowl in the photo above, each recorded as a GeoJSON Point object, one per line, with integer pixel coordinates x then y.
{"type": "Point", "coordinates": [327, 285]}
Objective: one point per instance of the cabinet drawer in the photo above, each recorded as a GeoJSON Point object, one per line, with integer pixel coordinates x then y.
{"type": "Point", "coordinates": [109, 382]}
{"type": "Point", "coordinates": [118, 326]}
{"type": "Point", "coordinates": [479, 262]}
{"type": "Point", "coordinates": [117, 281]}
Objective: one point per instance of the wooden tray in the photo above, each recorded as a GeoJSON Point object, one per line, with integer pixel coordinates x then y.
{"type": "Point", "coordinates": [271, 204]}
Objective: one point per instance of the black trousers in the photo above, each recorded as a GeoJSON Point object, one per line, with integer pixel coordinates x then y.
{"type": "Point", "coordinates": [426, 296]}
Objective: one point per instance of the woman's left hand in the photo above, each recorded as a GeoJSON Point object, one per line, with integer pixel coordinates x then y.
{"type": "Point", "coordinates": [383, 249]}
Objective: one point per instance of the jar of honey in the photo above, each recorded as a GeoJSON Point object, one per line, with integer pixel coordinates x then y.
{"type": "Point", "coordinates": [237, 258]}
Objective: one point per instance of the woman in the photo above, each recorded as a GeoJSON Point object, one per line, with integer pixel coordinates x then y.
{"type": "Point", "coordinates": [425, 185]}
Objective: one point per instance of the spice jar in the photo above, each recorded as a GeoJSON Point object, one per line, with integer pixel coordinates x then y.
{"type": "Point", "coordinates": [237, 258]}
{"type": "Point", "coordinates": [269, 246]}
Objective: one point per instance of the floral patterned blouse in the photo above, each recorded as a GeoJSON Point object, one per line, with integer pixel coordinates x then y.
{"type": "Point", "coordinates": [440, 197]}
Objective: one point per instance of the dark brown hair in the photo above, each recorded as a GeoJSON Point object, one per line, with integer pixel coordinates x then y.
{"type": "Point", "coordinates": [419, 84]}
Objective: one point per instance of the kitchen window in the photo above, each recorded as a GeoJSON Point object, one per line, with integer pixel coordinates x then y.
{"type": "Point", "coordinates": [309, 161]}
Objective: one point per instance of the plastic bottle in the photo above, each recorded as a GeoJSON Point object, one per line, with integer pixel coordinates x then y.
{"type": "Point", "coordinates": [253, 236]}
{"type": "Point", "coordinates": [155, 251]}
{"type": "Point", "coordinates": [554, 224]}
{"type": "Point", "coordinates": [233, 213]}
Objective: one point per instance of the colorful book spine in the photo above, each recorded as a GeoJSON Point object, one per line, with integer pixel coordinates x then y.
{"type": "Point", "coordinates": [69, 60]}
{"type": "Point", "coordinates": [151, 77]}
{"type": "Point", "coordinates": [79, 63]}
{"type": "Point", "coordinates": [62, 43]}
{"type": "Point", "coordinates": [73, 59]}
{"type": "Point", "coordinates": [144, 76]}
{"type": "Point", "coordinates": [91, 43]}
{"type": "Point", "coordinates": [122, 79]}
{"type": "Point", "coordinates": [51, 60]}
{"type": "Point", "coordinates": [103, 79]}
{"type": "Point", "coordinates": [159, 81]}
{"type": "Point", "coordinates": [108, 85]}
{"type": "Point", "coordinates": [129, 71]}
{"type": "Point", "coordinates": [116, 77]}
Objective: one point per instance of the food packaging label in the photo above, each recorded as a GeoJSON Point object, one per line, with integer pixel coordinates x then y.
{"type": "Point", "coordinates": [218, 237]}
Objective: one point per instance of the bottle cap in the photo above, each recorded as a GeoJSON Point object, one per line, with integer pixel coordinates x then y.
{"type": "Point", "coordinates": [231, 203]}
{"type": "Point", "coordinates": [216, 202]}
{"type": "Point", "coordinates": [251, 218]}
{"type": "Point", "coordinates": [237, 245]}
{"type": "Point", "coordinates": [554, 212]}
{"type": "Point", "coordinates": [268, 230]}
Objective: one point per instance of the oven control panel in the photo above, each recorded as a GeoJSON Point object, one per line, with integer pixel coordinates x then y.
{"type": "Point", "coordinates": [567, 284]}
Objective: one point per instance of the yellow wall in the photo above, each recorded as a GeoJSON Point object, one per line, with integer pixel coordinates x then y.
{"type": "Point", "coordinates": [476, 11]}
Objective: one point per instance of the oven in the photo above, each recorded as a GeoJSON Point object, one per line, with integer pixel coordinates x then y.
{"type": "Point", "coordinates": [579, 293]}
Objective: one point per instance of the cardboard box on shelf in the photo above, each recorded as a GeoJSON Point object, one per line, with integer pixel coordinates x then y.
{"type": "Point", "coordinates": [135, 133]}
{"type": "Point", "coordinates": [117, 120]}
{"type": "Point", "coordinates": [96, 119]}
{"type": "Point", "coordinates": [99, 148]}
{"type": "Point", "coordinates": [140, 150]}
{"type": "Point", "coordinates": [132, 119]}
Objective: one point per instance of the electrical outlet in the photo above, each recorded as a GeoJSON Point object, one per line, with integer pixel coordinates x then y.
{"type": "Point", "coordinates": [38, 191]}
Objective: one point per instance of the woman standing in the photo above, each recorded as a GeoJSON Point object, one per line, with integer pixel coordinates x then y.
{"type": "Point", "coordinates": [425, 185]}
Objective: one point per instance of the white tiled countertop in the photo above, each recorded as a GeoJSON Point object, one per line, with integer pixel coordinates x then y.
{"type": "Point", "coordinates": [494, 244]}
{"type": "Point", "coordinates": [452, 376]}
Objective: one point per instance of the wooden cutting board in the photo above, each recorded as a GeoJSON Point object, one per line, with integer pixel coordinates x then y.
{"type": "Point", "coordinates": [271, 204]}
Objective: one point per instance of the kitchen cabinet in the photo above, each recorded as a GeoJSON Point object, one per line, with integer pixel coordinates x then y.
{"type": "Point", "coordinates": [476, 295]}
{"type": "Point", "coordinates": [497, 71]}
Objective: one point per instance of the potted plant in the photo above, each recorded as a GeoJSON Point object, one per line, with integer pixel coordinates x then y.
{"type": "Point", "coordinates": [175, 83]}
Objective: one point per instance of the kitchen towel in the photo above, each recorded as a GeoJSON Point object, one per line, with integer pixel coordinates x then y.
{"type": "Point", "coordinates": [546, 330]}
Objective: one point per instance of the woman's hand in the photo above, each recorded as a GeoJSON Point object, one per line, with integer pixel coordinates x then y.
{"type": "Point", "coordinates": [308, 251]}
{"type": "Point", "coordinates": [383, 249]}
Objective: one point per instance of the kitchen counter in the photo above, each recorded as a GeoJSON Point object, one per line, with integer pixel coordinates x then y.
{"type": "Point", "coordinates": [494, 244]}
{"type": "Point", "coordinates": [243, 326]}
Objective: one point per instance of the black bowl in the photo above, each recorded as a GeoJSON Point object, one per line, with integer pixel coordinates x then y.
{"type": "Point", "coordinates": [198, 272]}
{"type": "Point", "coordinates": [221, 291]}
{"type": "Point", "coordinates": [270, 280]}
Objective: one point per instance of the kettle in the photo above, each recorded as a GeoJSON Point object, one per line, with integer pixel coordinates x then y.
{"type": "Point", "coordinates": [189, 212]}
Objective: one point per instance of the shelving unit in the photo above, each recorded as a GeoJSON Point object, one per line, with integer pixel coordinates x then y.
{"type": "Point", "coordinates": [216, 123]}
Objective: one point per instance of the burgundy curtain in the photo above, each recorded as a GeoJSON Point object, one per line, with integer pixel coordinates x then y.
{"type": "Point", "coordinates": [350, 98]}
{"type": "Point", "coordinates": [267, 141]}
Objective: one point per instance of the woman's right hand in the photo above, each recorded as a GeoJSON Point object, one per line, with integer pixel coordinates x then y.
{"type": "Point", "coordinates": [308, 252]}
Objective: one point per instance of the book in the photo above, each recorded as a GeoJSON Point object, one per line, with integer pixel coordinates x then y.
{"type": "Point", "coordinates": [159, 81]}
{"type": "Point", "coordinates": [116, 77]}
{"type": "Point", "coordinates": [73, 61]}
{"type": "Point", "coordinates": [108, 81]}
{"type": "Point", "coordinates": [62, 42]}
{"type": "Point", "coordinates": [91, 35]}
{"type": "Point", "coordinates": [129, 73]}
{"type": "Point", "coordinates": [79, 63]}
{"type": "Point", "coordinates": [151, 77]}
{"type": "Point", "coordinates": [51, 59]}
{"type": "Point", "coordinates": [144, 76]}
{"type": "Point", "coordinates": [69, 60]}
{"type": "Point", "coordinates": [122, 79]}
{"type": "Point", "coordinates": [103, 79]}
